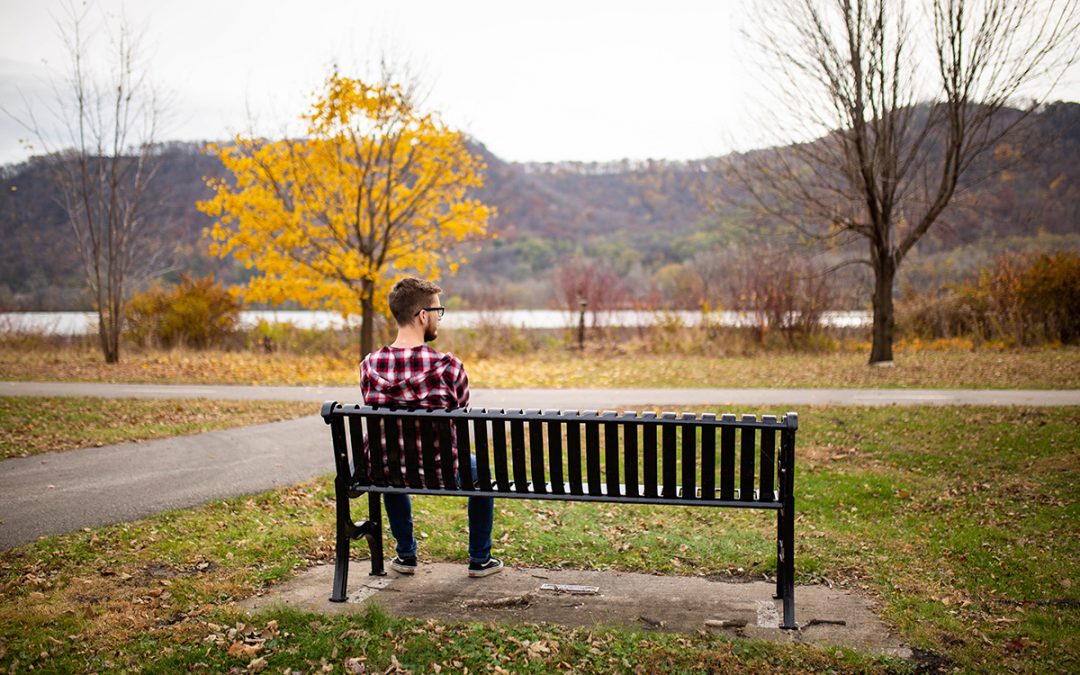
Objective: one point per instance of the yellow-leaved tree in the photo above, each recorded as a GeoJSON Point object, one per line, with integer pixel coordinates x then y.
{"type": "Point", "coordinates": [377, 188]}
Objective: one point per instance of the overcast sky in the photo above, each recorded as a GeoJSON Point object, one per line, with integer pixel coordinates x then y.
{"type": "Point", "coordinates": [558, 80]}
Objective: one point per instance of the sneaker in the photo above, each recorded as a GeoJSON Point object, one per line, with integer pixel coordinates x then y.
{"type": "Point", "coordinates": [492, 566]}
{"type": "Point", "coordinates": [403, 565]}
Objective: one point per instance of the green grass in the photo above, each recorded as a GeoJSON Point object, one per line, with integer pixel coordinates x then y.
{"type": "Point", "coordinates": [31, 426]}
{"type": "Point", "coordinates": [959, 522]}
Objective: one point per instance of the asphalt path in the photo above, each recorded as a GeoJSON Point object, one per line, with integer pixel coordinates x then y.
{"type": "Point", "coordinates": [66, 491]}
{"type": "Point", "coordinates": [572, 399]}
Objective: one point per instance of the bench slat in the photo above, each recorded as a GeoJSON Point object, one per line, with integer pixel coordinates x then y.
{"type": "Point", "coordinates": [393, 450]}
{"type": "Point", "coordinates": [375, 456]}
{"type": "Point", "coordinates": [648, 446]}
{"type": "Point", "coordinates": [555, 458]}
{"type": "Point", "coordinates": [689, 459]}
{"type": "Point", "coordinates": [408, 431]}
{"type": "Point", "coordinates": [611, 454]}
{"type": "Point", "coordinates": [573, 456]}
{"type": "Point", "coordinates": [630, 449]}
{"type": "Point", "coordinates": [445, 454]}
{"type": "Point", "coordinates": [708, 458]}
{"type": "Point", "coordinates": [475, 413]}
{"type": "Point", "coordinates": [727, 459]}
{"type": "Point", "coordinates": [551, 494]}
{"type": "Point", "coordinates": [361, 470]}
{"type": "Point", "coordinates": [427, 449]}
{"type": "Point", "coordinates": [483, 460]}
{"type": "Point", "coordinates": [768, 461]}
{"type": "Point", "coordinates": [390, 431]}
{"type": "Point", "coordinates": [465, 477]}
{"type": "Point", "coordinates": [668, 468]}
{"type": "Point", "coordinates": [592, 452]}
{"type": "Point", "coordinates": [536, 454]}
{"type": "Point", "coordinates": [517, 450]}
{"type": "Point", "coordinates": [498, 438]}
{"type": "Point", "coordinates": [746, 460]}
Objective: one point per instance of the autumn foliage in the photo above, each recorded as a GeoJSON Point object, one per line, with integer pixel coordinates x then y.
{"type": "Point", "coordinates": [377, 189]}
{"type": "Point", "coordinates": [196, 313]}
{"type": "Point", "coordinates": [1017, 300]}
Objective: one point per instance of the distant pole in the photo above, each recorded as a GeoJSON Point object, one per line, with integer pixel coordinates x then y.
{"type": "Point", "coordinates": [581, 324]}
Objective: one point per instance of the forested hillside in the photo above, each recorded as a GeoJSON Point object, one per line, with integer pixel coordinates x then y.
{"type": "Point", "coordinates": [646, 221]}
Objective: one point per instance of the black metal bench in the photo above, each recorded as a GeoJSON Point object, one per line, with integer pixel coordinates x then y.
{"type": "Point", "coordinates": [627, 459]}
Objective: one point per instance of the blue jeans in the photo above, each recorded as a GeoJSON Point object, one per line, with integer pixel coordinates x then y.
{"type": "Point", "coordinates": [481, 520]}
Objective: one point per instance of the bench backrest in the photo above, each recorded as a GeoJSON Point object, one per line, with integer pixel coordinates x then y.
{"type": "Point", "coordinates": [570, 455]}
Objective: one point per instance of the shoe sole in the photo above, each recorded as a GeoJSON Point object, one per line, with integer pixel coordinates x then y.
{"type": "Point", "coordinates": [476, 574]}
{"type": "Point", "coordinates": [402, 569]}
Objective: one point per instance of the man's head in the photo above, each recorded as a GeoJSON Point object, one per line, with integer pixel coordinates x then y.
{"type": "Point", "coordinates": [415, 300]}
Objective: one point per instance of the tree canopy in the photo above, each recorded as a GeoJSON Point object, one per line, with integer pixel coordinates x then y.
{"type": "Point", "coordinates": [378, 188]}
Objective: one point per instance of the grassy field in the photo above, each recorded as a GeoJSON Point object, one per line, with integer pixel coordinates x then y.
{"type": "Point", "coordinates": [1027, 369]}
{"type": "Point", "coordinates": [959, 522]}
{"type": "Point", "coordinates": [29, 426]}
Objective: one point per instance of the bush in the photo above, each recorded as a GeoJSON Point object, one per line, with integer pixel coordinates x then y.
{"type": "Point", "coordinates": [289, 338]}
{"type": "Point", "coordinates": [196, 313]}
{"type": "Point", "coordinates": [1017, 300]}
{"type": "Point", "coordinates": [780, 291]}
{"type": "Point", "coordinates": [1050, 294]}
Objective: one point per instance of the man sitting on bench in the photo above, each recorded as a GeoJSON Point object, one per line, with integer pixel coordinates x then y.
{"type": "Point", "coordinates": [409, 374]}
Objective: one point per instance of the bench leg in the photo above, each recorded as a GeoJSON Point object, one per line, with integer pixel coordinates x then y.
{"type": "Point", "coordinates": [785, 581]}
{"type": "Point", "coordinates": [372, 531]}
{"type": "Point", "coordinates": [779, 555]}
{"type": "Point", "coordinates": [341, 549]}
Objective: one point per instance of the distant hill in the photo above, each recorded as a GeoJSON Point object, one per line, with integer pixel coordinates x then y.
{"type": "Point", "coordinates": [639, 217]}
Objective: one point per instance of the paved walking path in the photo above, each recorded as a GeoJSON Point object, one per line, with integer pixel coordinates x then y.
{"type": "Point", "coordinates": [65, 491]}
{"type": "Point", "coordinates": [597, 399]}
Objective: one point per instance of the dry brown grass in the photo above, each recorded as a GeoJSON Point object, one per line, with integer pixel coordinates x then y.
{"type": "Point", "coordinates": [1049, 368]}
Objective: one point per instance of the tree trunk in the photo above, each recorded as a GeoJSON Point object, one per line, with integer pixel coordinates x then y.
{"type": "Point", "coordinates": [884, 276]}
{"type": "Point", "coordinates": [110, 348]}
{"type": "Point", "coordinates": [367, 321]}
{"type": "Point", "coordinates": [112, 355]}
{"type": "Point", "coordinates": [105, 339]}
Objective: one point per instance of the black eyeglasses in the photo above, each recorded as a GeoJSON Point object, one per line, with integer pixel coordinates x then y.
{"type": "Point", "coordinates": [440, 310]}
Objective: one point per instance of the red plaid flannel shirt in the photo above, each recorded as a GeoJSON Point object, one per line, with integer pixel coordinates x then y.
{"type": "Point", "coordinates": [414, 377]}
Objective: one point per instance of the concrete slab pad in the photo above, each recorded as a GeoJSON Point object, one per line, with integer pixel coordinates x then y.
{"type": "Point", "coordinates": [443, 591]}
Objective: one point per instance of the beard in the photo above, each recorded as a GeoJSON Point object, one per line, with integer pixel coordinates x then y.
{"type": "Point", "coordinates": [431, 332]}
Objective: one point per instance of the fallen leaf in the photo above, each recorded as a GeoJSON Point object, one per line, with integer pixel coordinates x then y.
{"type": "Point", "coordinates": [356, 665]}
{"type": "Point", "coordinates": [241, 650]}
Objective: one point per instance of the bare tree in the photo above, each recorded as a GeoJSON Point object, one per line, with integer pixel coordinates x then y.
{"type": "Point", "coordinates": [103, 161]}
{"type": "Point", "coordinates": [903, 98]}
{"type": "Point", "coordinates": [776, 289]}
{"type": "Point", "coordinates": [584, 284]}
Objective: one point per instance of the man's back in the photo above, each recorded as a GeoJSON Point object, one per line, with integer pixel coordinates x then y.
{"type": "Point", "coordinates": [414, 377]}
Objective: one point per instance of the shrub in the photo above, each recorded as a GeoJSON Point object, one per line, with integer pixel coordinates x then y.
{"type": "Point", "coordinates": [287, 337]}
{"type": "Point", "coordinates": [1050, 294]}
{"type": "Point", "coordinates": [778, 290]}
{"type": "Point", "coordinates": [196, 313]}
{"type": "Point", "coordinates": [1017, 300]}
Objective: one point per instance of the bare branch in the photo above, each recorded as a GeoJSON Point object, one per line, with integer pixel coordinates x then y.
{"type": "Point", "coordinates": [891, 150]}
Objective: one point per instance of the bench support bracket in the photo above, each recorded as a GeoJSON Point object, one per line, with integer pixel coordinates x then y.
{"type": "Point", "coordinates": [347, 530]}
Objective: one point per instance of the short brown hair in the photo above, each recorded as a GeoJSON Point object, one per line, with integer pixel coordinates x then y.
{"type": "Point", "coordinates": [409, 296]}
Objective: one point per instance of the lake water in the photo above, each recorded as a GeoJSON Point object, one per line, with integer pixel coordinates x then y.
{"type": "Point", "coordinates": [82, 323]}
